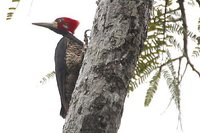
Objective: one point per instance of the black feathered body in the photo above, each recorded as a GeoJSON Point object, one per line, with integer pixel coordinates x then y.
{"type": "Point", "coordinates": [68, 60]}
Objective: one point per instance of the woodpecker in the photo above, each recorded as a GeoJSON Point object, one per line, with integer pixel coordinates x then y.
{"type": "Point", "coordinates": [68, 58]}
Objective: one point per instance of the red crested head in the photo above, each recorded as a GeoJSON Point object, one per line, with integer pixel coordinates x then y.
{"type": "Point", "coordinates": [67, 24]}
{"type": "Point", "coordinates": [61, 25]}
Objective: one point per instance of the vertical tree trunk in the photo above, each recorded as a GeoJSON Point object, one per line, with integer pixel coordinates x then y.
{"type": "Point", "coordinates": [118, 34]}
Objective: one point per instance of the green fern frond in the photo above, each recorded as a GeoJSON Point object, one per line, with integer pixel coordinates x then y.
{"type": "Point", "coordinates": [169, 2]}
{"type": "Point", "coordinates": [175, 28]}
{"type": "Point", "coordinates": [170, 65]}
{"type": "Point", "coordinates": [191, 2]}
{"type": "Point", "coordinates": [196, 51]}
{"type": "Point", "coordinates": [173, 86]}
{"type": "Point", "coordinates": [146, 62]}
{"type": "Point", "coordinates": [198, 40]}
{"type": "Point", "coordinates": [47, 77]}
{"type": "Point", "coordinates": [172, 41]}
{"type": "Point", "coordinates": [178, 29]}
{"type": "Point", "coordinates": [140, 77]}
{"type": "Point", "coordinates": [199, 24]}
{"type": "Point", "coordinates": [12, 10]}
{"type": "Point", "coordinates": [192, 35]}
{"type": "Point", "coordinates": [153, 88]}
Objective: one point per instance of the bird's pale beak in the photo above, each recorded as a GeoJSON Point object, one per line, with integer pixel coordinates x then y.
{"type": "Point", "coordinates": [47, 25]}
{"type": "Point", "coordinates": [52, 26]}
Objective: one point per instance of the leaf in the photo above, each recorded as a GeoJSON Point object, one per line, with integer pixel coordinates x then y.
{"type": "Point", "coordinates": [173, 85]}
{"type": "Point", "coordinates": [199, 25]}
{"type": "Point", "coordinates": [47, 77]}
{"type": "Point", "coordinates": [12, 8]}
{"type": "Point", "coordinates": [15, 0]}
{"type": "Point", "coordinates": [196, 51]}
{"type": "Point", "coordinates": [152, 89]}
{"type": "Point", "coordinates": [10, 14]}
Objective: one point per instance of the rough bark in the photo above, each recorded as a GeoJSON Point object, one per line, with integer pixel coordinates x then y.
{"type": "Point", "coordinates": [119, 31]}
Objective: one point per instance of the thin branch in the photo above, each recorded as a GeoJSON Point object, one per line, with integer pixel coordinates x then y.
{"type": "Point", "coordinates": [164, 23]}
{"type": "Point", "coordinates": [168, 12]}
{"type": "Point", "coordinates": [193, 68]}
{"type": "Point", "coordinates": [171, 60]}
{"type": "Point", "coordinates": [180, 121]}
{"type": "Point", "coordinates": [185, 27]}
{"type": "Point", "coordinates": [184, 72]}
{"type": "Point", "coordinates": [179, 69]}
{"type": "Point", "coordinates": [185, 37]}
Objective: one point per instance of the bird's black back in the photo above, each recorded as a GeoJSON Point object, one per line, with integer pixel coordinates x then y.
{"type": "Point", "coordinates": [68, 60]}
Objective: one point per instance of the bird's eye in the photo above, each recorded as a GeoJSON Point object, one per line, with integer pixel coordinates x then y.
{"type": "Point", "coordinates": [58, 20]}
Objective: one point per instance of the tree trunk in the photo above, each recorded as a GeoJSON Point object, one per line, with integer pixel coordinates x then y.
{"type": "Point", "coordinates": [119, 31]}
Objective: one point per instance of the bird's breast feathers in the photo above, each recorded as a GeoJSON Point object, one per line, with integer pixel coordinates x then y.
{"type": "Point", "coordinates": [74, 56]}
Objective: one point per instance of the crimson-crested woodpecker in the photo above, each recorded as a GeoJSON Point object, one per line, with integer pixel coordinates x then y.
{"type": "Point", "coordinates": [68, 58]}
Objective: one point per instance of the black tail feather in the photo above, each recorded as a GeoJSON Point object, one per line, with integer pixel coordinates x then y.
{"type": "Point", "coordinates": [63, 112]}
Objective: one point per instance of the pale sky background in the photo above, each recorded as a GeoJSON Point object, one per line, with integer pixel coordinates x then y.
{"type": "Point", "coordinates": [27, 54]}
